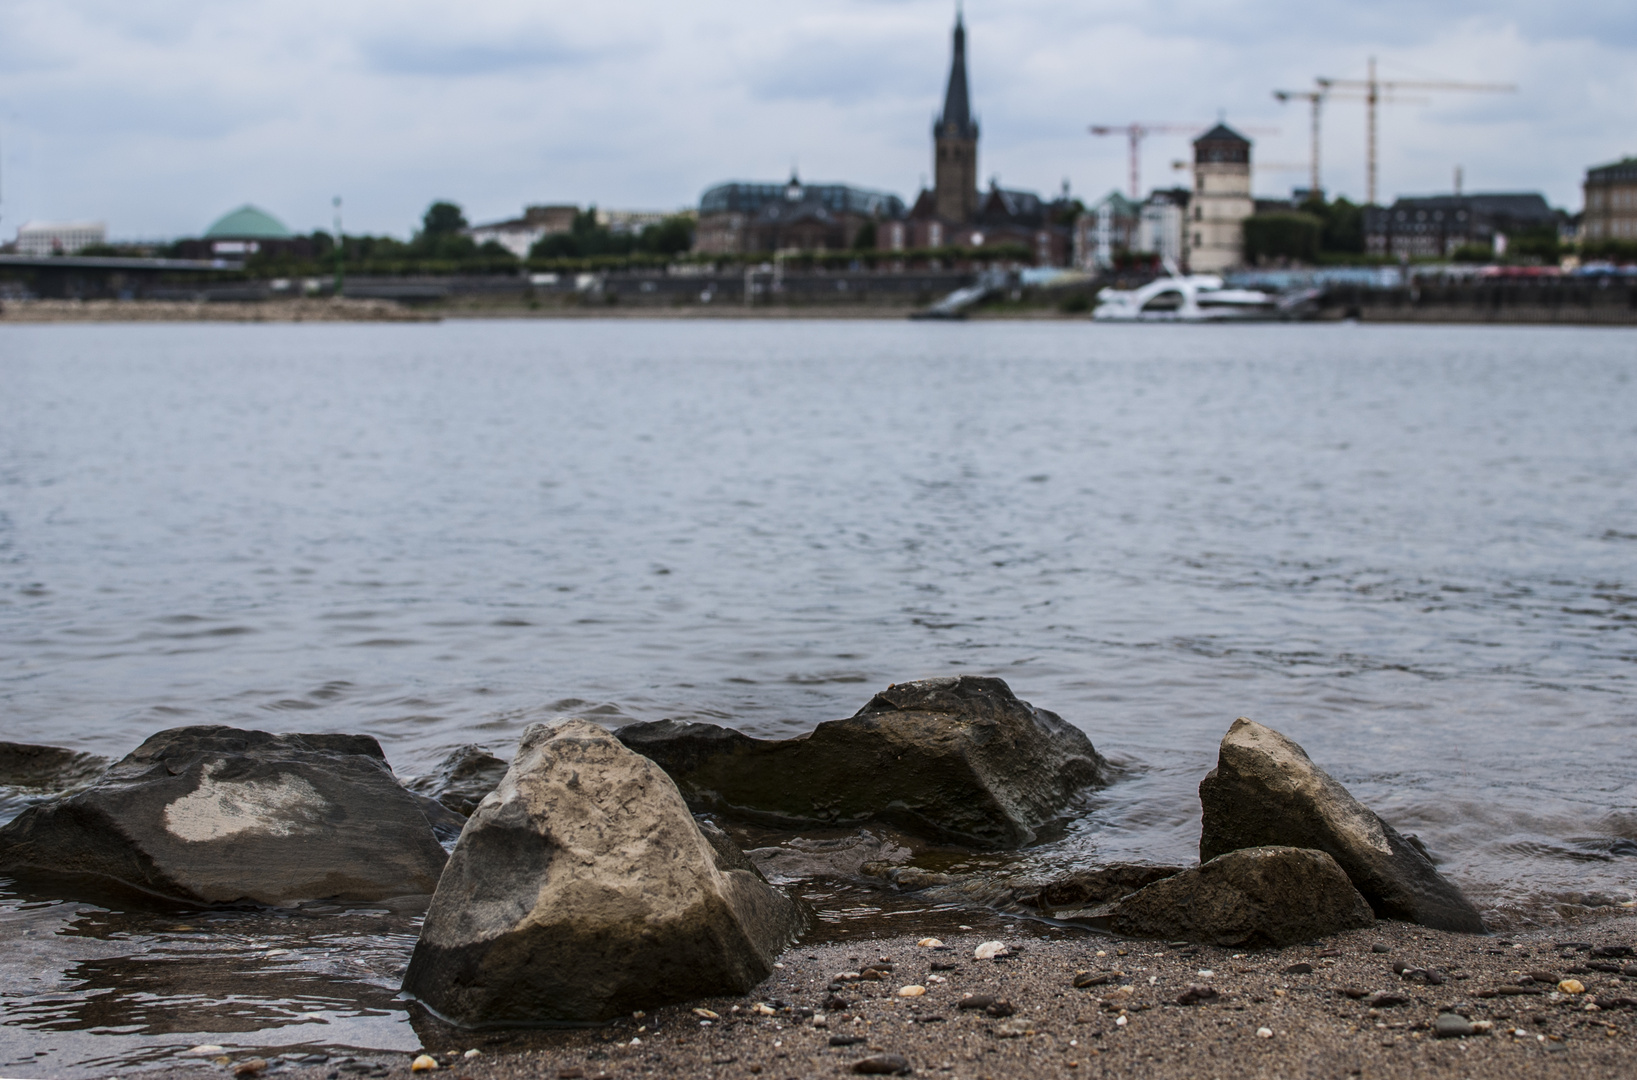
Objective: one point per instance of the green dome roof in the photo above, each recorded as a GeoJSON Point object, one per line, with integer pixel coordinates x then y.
{"type": "Point", "coordinates": [248, 223]}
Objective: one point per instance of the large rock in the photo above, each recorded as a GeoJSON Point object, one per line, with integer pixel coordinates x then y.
{"type": "Point", "coordinates": [583, 889]}
{"type": "Point", "coordinates": [47, 768]}
{"type": "Point", "coordinates": [462, 779]}
{"type": "Point", "coordinates": [1265, 790]}
{"type": "Point", "coordinates": [218, 814]}
{"type": "Point", "coordinates": [1255, 897]}
{"type": "Point", "coordinates": [954, 759]}
{"type": "Point", "coordinates": [30, 773]}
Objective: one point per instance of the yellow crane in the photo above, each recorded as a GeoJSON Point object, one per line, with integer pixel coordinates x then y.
{"type": "Point", "coordinates": [1371, 89]}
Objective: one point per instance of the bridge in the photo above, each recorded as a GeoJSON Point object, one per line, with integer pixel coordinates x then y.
{"type": "Point", "coordinates": [89, 277]}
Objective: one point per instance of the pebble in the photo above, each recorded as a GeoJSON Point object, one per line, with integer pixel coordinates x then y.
{"type": "Point", "coordinates": [1451, 1026]}
{"type": "Point", "coordinates": [1264, 1033]}
{"type": "Point", "coordinates": [989, 1004]}
{"type": "Point", "coordinates": [1197, 994]}
{"type": "Point", "coordinates": [989, 950]}
{"type": "Point", "coordinates": [847, 1040]}
{"type": "Point", "coordinates": [1298, 969]}
{"type": "Point", "coordinates": [1378, 947]}
{"type": "Point", "coordinates": [1572, 986]}
{"type": "Point", "coordinates": [764, 1010]}
{"type": "Point", "coordinates": [883, 1065]}
{"type": "Point", "coordinates": [1120, 1022]}
{"type": "Point", "coordinates": [1094, 978]}
{"type": "Point", "coordinates": [206, 1050]}
{"type": "Point", "coordinates": [930, 943]}
{"type": "Point", "coordinates": [706, 1014]}
{"type": "Point", "coordinates": [1384, 1000]}
{"type": "Point", "coordinates": [470, 1054]}
{"type": "Point", "coordinates": [911, 990]}
{"type": "Point", "coordinates": [250, 1067]}
{"type": "Point", "coordinates": [423, 1063]}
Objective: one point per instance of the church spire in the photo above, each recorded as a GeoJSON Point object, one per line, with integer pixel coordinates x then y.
{"type": "Point", "coordinates": [956, 120]}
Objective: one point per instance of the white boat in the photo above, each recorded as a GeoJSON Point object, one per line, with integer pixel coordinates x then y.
{"type": "Point", "coordinates": [1186, 298]}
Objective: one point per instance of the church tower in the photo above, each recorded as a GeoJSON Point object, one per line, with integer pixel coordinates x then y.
{"type": "Point", "coordinates": [955, 143]}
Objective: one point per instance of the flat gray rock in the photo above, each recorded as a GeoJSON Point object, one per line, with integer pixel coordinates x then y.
{"type": "Point", "coordinates": [1265, 790]}
{"type": "Point", "coordinates": [956, 759]}
{"type": "Point", "coordinates": [1254, 897]}
{"type": "Point", "coordinates": [583, 889]}
{"type": "Point", "coordinates": [220, 815]}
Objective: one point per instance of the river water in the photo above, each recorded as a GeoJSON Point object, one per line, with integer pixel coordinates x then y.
{"type": "Point", "coordinates": [1411, 549]}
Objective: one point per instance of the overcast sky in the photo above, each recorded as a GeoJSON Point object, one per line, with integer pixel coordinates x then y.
{"type": "Point", "coordinates": [159, 115]}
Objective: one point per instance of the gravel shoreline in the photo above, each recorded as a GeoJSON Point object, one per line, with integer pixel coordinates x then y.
{"type": "Point", "coordinates": [1327, 1022]}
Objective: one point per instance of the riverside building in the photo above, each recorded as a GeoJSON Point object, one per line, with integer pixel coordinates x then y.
{"type": "Point", "coordinates": [1221, 201]}
{"type": "Point", "coordinates": [1611, 202]}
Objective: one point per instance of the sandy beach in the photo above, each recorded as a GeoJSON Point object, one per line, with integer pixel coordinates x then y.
{"type": "Point", "coordinates": [1271, 1017]}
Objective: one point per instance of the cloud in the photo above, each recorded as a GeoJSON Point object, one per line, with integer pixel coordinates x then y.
{"type": "Point", "coordinates": [403, 55]}
{"type": "Point", "coordinates": [157, 116]}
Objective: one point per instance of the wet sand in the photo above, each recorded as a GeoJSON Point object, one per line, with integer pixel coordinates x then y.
{"type": "Point", "coordinates": [1130, 1025]}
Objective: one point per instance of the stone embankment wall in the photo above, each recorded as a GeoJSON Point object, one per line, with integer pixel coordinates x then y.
{"type": "Point", "coordinates": [293, 310]}
{"type": "Point", "coordinates": [1594, 302]}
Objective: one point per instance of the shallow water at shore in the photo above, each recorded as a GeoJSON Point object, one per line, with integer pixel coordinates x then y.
{"type": "Point", "coordinates": [1410, 549]}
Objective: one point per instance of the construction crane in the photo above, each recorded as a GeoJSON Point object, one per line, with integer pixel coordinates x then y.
{"type": "Point", "coordinates": [1372, 88]}
{"type": "Point", "coordinates": [1316, 100]}
{"type": "Point", "coordinates": [1137, 132]}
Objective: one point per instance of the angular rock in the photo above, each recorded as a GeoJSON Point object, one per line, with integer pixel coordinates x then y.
{"type": "Point", "coordinates": [218, 814]}
{"type": "Point", "coordinates": [462, 779]}
{"type": "Point", "coordinates": [1265, 790]}
{"type": "Point", "coordinates": [582, 889]}
{"type": "Point", "coordinates": [1255, 897]}
{"type": "Point", "coordinates": [1095, 886]}
{"type": "Point", "coordinates": [955, 759]}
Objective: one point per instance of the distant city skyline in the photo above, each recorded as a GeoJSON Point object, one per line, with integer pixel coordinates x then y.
{"type": "Point", "coordinates": [158, 118]}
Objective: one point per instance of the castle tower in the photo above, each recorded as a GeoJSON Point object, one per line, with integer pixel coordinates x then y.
{"type": "Point", "coordinates": [955, 143]}
{"type": "Point", "coordinates": [1221, 201]}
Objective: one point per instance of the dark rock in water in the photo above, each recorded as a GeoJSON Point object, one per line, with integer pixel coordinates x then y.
{"type": "Point", "coordinates": [861, 854]}
{"type": "Point", "coordinates": [446, 824]}
{"type": "Point", "coordinates": [462, 779]}
{"type": "Point", "coordinates": [1095, 886]}
{"type": "Point", "coordinates": [1254, 897]}
{"type": "Point", "coordinates": [956, 759]}
{"type": "Point", "coordinates": [219, 814]}
{"type": "Point", "coordinates": [1265, 790]}
{"type": "Point", "coordinates": [729, 855]}
{"type": "Point", "coordinates": [583, 889]}
{"type": "Point", "coordinates": [47, 768]}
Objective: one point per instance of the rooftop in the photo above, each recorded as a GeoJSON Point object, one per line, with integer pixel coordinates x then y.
{"type": "Point", "coordinates": [248, 223]}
